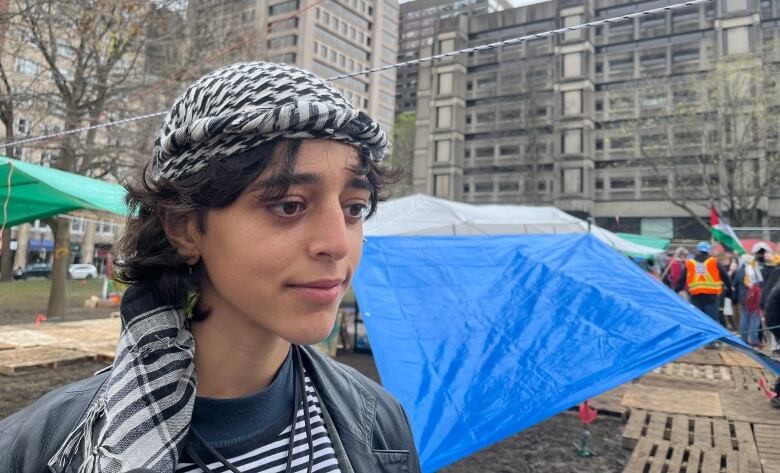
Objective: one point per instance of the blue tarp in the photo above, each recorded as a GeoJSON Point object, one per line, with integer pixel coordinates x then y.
{"type": "Point", "coordinates": [482, 337]}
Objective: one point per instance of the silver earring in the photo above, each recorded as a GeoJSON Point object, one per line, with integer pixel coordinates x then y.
{"type": "Point", "coordinates": [190, 270]}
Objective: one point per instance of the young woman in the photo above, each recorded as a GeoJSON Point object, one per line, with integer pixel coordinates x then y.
{"type": "Point", "coordinates": [246, 232]}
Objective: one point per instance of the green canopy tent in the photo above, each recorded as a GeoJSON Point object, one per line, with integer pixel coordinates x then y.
{"type": "Point", "coordinates": [644, 240]}
{"type": "Point", "coordinates": [39, 192]}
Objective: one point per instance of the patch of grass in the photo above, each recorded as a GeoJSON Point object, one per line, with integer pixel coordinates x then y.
{"type": "Point", "coordinates": [33, 295]}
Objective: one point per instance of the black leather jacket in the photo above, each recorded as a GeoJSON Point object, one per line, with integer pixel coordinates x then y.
{"type": "Point", "coordinates": [369, 428]}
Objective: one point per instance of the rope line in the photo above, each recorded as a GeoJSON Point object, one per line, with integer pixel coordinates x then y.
{"type": "Point", "coordinates": [436, 57]}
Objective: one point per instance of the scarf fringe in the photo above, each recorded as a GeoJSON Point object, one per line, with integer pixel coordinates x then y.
{"type": "Point", "coordinates": [81, 436]}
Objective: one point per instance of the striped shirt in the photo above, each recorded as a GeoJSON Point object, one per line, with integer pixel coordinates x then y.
{"type": "Point", "coordinates": [270, 455]}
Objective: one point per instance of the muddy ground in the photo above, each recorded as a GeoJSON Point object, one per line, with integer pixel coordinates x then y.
{"type": "Point", "coordinates": [547, 447]}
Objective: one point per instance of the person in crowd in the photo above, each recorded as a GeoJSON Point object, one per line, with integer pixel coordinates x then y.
{"type": "Point", "coordinates": [747, 287]}
{"type": "Point", "coordinates": [650, 267]}
{"type": "Point", "coordinates": [246, 228]}
{"type": "Point", "coordinates": [772, 314]}
{"type": "Point", "coordinates": [706, 280]}
{"type": "Point", "coordinates": [764, 259]}
{"type": "Point", "coordinates": [675, 267]}
{"type": "Point", "coordinates": [728, 306]}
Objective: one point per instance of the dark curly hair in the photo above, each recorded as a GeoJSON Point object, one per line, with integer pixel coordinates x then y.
{"type": "Point", "coordinates": [146, 257]}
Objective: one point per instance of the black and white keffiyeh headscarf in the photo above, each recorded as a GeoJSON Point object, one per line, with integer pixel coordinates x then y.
{"type": "Point", "coordinates": [143, 416]}
{"type": "Point", "coordinates": [145, 410]}
{"type": "Point", "coordinates": [244, 105]}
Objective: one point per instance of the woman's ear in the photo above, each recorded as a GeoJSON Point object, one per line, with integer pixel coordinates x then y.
{"type": "Point", "coordinates": [184, 234]}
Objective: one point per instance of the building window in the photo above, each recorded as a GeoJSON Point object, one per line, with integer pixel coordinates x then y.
{"type": "Point", "coordinates": [25, 66]}
{"type": "Point", "coordinates": [443, 151]}
{"type": "Point", "coordinates": [441, 186]}
{"type": "Point", "coordinates": [446, 46]}
{"type": "Point", "coordinates": [621, 65]}
{"type": "Point", "coordinates": [444, 117]}
{"type": "Point", "coordinates": [572, 65]}
{"type": "Point", "coordinates": [736, 40]}
{"type": "Point", "coordinates": [284, 7]}
{"type": "Point", "coordinates": [484, 152]}
{"type": "Point", "coordinates": [282, 41]}
{"type": "Point", "coordinates": [621, 183]}
{"type": "Point", "coordinates": [22, 126]}
{"type": "Point", "coordinates": [572, 181]}
{"type": "Point", "coordinates": [572, 141]}
{"type": "Point", "coordinates": [655, 181]}
{"type": "Point", "coordinates": [486, 83]}
{"type": "Point", "coordinates": [573, 20]}
{"type": "Point", "coordinates": [486, 118]}
{"type": "Point", "coordinates": [483, 187]}
{"type": "Point", "coordinates": [77, 225]}
{"type": "Point", "coordinates": [572, 102]}
{"type": "Point", "coordinates": [445, 83]}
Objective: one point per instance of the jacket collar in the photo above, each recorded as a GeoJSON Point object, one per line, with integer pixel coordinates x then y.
{"type": "Point", "coordinates": [338, 387]}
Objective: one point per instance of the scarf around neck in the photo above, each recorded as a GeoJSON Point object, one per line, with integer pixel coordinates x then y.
{"type": "Point", "coordinates": [143, 415]}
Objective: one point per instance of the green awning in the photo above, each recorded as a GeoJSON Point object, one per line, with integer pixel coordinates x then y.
{"type": "Point", "coordinates": [39, 192]}
{"type": "Point", "coordinates": [652, 242]}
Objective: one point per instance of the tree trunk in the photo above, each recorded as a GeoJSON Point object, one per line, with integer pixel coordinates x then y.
{"type": "Point", "coordinates": [6, 261]}
{"type": "Point", "coordinates": [22, 236]}
{"type": "Point", "coordinates": [58, 297]}
{"type": "Point", "coordinates": [88, 242]}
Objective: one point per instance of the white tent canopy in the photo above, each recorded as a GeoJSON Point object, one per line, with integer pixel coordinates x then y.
{"type": "Point", "coordinates": [425, 215]}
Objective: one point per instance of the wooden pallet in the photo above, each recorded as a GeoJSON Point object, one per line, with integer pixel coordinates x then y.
{"type": "Point", "coordinates": [749, 406]}
{"type": "Point", "coordinates": [736, 358]}
{"type": "Point", "coordinates": [676, 382]}
{"type": "Point", "coordinates": [675, 443]}
{"type": "Point", "coordinates": [673, 401]}
{"type": "Point", "coordinates": [746, 378]}
{"type": "Point", "coordinates": [695, 371]}
{"type": "Point", "coordinates": [767, 440]}
{"type": "Point", "coordinates": [661, 456]}
{"type": "Point", "coordinates": [702, 356]}
{"type": "Point", "coordinates": [611, 401]}
{"type": "Point", "coordinates": [15, 360]}
{"type": "Point", "coordinates": [103, 351]}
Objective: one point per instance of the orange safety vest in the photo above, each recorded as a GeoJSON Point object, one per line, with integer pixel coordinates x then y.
{"type": "Point", "coordinates": [703, 277]}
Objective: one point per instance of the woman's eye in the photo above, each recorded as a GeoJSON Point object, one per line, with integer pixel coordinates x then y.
{"type": "Point", "coordinates": [288, 209]}
{"type": "Point", "coordinates": [356, 211]}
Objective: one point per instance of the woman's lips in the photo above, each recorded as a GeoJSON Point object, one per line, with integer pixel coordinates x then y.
{"type": "Point", "coordinates": [321, 292]}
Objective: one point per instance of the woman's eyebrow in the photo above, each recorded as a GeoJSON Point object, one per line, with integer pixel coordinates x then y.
{"type": "Point", "coordinates": [360, 184]}
{"type": "Point", "coordinates": [283, 181]}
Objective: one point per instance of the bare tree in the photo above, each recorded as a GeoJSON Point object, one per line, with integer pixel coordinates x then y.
{"type": "Point", "coordinates": [403, 151]}
{"type": "Point", "coordinates": [712, 140]}
{"type": "Point", "coordinates": [91, 54]}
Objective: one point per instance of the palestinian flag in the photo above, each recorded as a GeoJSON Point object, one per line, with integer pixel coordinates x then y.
{"type": "Point", "coordinates": [722, 232]}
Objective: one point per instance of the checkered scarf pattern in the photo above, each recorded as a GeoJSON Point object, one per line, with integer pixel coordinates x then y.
{"type": "Point", "coordinates": [244, 105]}
{"type": "Point", "coordinates": [145, 411]}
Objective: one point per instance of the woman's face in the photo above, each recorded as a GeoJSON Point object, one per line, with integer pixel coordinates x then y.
{"type": "Point", "coordinates": [283, 266]}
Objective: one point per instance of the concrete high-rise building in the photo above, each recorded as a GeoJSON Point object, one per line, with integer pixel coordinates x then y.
{"type": "Point", "coordinates": [333, 38]}
{"type": "Point", "coordinates": [560, 121]}
{"type": "Point", "coordinates": [417, 29]}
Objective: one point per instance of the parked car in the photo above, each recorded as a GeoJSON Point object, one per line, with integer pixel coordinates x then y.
{"type": "Point", "coordinates": [82, 271]}
{"type": "Point", "coordinates": [35, 270]}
